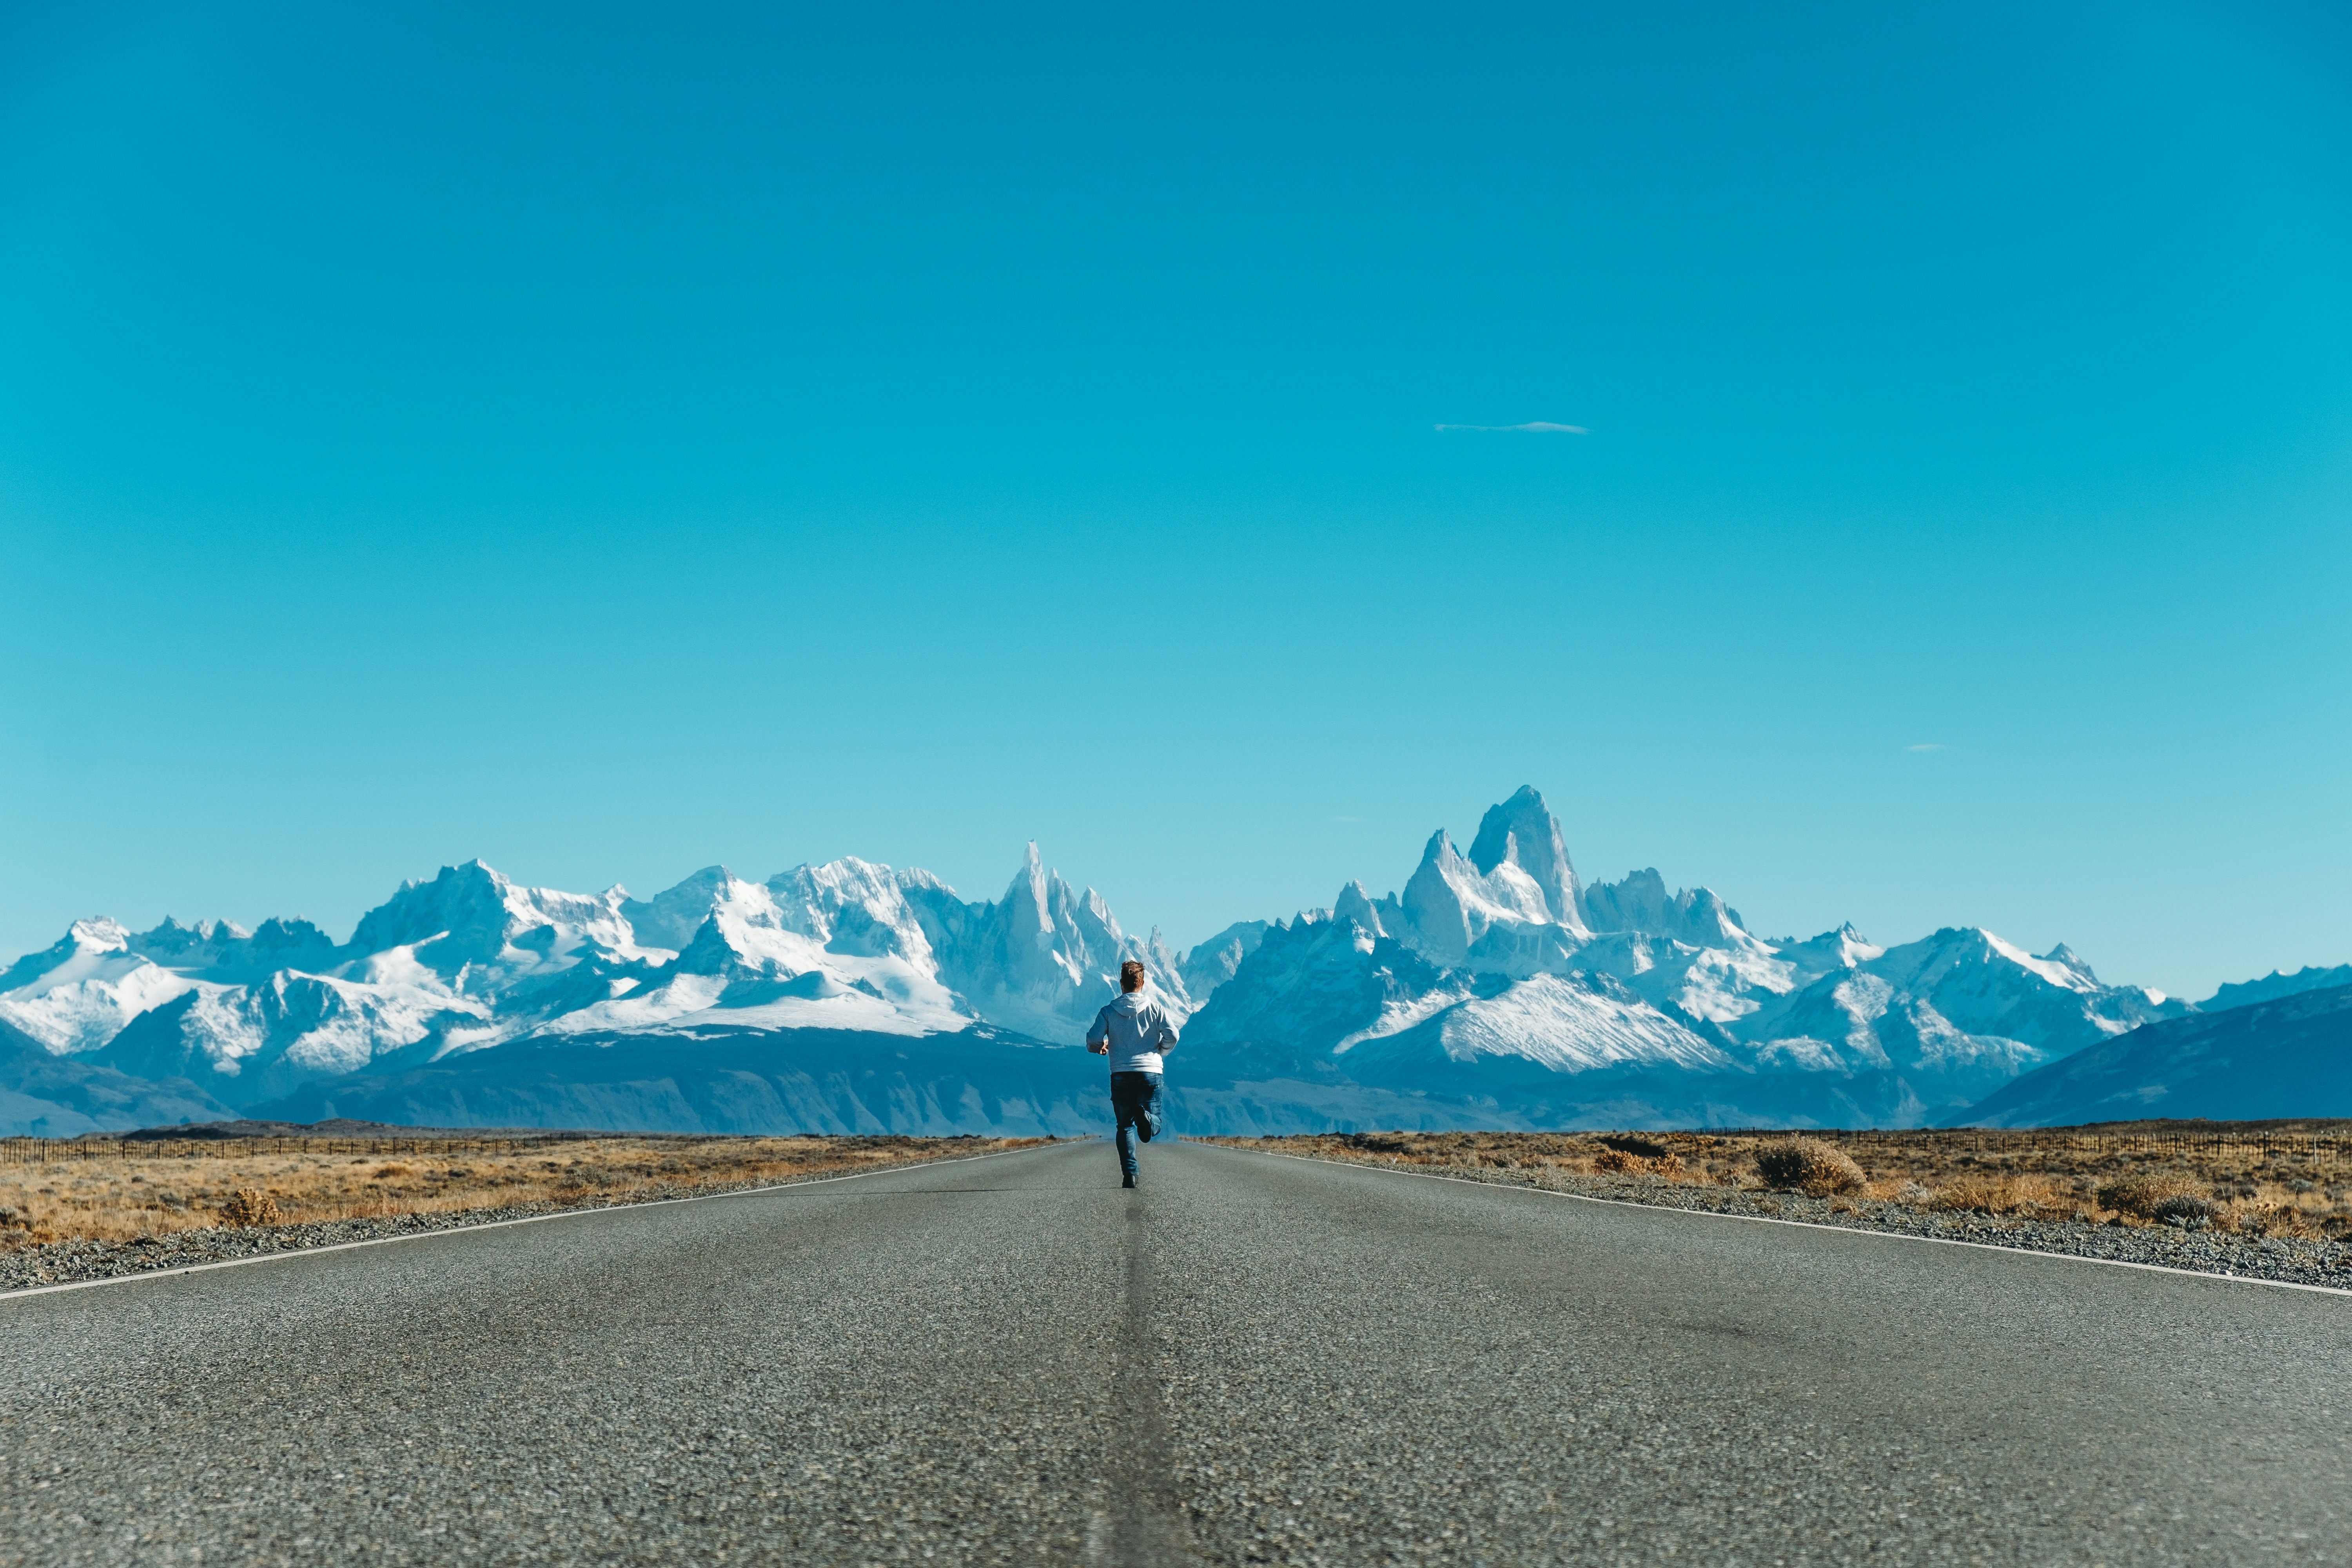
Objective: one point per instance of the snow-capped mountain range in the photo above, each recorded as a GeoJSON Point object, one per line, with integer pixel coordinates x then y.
{"type": "Point", "coordinates": [470, 961]}
{"type": "Point", "coordinates": [1496, 989]}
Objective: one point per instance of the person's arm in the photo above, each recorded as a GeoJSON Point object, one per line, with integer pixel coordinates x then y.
{"type": "Point", "coordinates": [1166, 1040]}
{"type": "Point", "coordinates": [1099, 1037]}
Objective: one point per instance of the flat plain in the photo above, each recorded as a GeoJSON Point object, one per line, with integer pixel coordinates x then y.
{"type": "Point", "coordinates": [118, 1190]}
{"type": "Point", "coordinates": [2283, 1179]}
{"type": "Point", "coordinates": [1250, 1360]}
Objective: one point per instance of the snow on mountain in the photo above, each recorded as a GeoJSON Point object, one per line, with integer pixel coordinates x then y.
{"type": "Point", "coordinates": [1639, 903]}
{"type": "Point", "coordinates": [1043, 959]}
{"type": "Point", "coordinates": [1336, 990]}
{"type": "Point", "coordinates": [244, 1042]}
{"type": "Point", "coordinates": [1490, 954]}
{"type": "Point", "coordinates": [1978, 985]}
{"type": "Point", "coordinates": [1331, 1022]}
{"type": "Point", "coordinates": [1497, 989]}
{"type": "Point", "coordinates": [482, 933]}
{"type": "Point", "coordinates": [2270, 987]}
{"type": "Point", "coordinates": [220, 951]}
{"type": "Point", "coordinates": [1523, 834]}
{"type": "Point", "coordinates": [1211, 964]}
{"type": "Point", "coordinates": [470, 960]}
{"type": "Point", "coordinates": [1831, 952]}
{"type": "Point", "coordinates": [1316, 987]}
{"type": "Point", "coordinates": [1498, 919]}
{"type": "Point", "coordinates": [670, 918]}
{"type": "Point", "coordinates": [1572, 1024]}
{"type": "Point", "coordinates": [78, 994]}
{"type": "Point", "coordinates": [1869, 1043]}
{"type": "Point", "coordinates": [1470, 964]}
{"type": "Point", "coordinates": [1720, 986]}
{"type": "Point", "coordinates": [835, 946]}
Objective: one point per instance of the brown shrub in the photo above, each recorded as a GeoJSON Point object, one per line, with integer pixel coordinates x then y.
{"type": "Point", "coordinates": [1810, 1166]}
{"type": "Point", "coordinates": [1977, 1196]}
{"type": "Point", "coordinates": [1982, 1195]}
{"type": "Point", "coordinates": [2141, 1197]}
{"type": "Point", "coordinates": [250, 1205]}
{"type": "Point", "coordinates": [1635, 1144]}
{"type": "Point", "coordinates": [2189, 1211]}
{"type": "Point", "coordinates": [2280, 1219]}
{"type": "Point", "coordinates": [1614, 1159]}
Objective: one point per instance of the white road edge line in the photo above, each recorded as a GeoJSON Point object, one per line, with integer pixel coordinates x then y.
{"type": "Point", "coordinates": [152, 1274]}
{"type": "Point", "coordinates": [1802, 1224]}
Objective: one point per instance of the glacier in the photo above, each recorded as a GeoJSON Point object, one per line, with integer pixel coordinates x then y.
{"type": "Point", "coordinates": [1497, 988]}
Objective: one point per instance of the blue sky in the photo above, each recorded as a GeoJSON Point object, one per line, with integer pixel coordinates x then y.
{"type": "Point", "coordinates": [607, 441]}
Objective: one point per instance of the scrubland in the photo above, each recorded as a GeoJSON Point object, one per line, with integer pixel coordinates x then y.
{"type": "Point", "coordinates": [118, 1191]}
{"type": "Point", "coordinates": [2252, 1182]}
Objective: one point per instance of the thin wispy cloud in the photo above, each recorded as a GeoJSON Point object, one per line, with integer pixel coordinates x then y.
{"type": "Point", "coordinates": [1927, 746]}
{"type": "Point", "coordinates": [1533, 427]}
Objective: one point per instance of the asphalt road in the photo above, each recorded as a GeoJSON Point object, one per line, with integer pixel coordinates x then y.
{"type": "Point", "coordinates": [1250, 1360]}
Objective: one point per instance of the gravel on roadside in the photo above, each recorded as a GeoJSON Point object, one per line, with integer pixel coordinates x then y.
{"type": "Point", "coordinates": [2294, 1261]}
{"type": "Point", "coordinates": [72, 1262]}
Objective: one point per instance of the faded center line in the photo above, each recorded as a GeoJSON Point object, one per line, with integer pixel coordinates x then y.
{"type": "Point", "coordinates": [1147, 1527]}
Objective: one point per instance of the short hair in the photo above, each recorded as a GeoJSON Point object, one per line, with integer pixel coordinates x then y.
{"type": "Point", "coordinates": [1131, 976]}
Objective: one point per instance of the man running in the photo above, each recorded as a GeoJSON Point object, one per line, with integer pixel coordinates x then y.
{"type": "Point", "coordinates": [1133, 1032]}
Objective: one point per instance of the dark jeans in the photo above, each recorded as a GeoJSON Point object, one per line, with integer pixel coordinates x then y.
{"type": "Point", "coordinates": [1135, 1100]}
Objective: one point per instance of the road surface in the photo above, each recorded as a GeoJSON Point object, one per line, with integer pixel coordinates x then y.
{"type": "Point", "coordinates": [1250, 1360]}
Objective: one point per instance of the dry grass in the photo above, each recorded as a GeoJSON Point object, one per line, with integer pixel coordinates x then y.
{"type": "Point", "coordinates": [119, 1197]}
{"type": "Point", "coordinates": [2060, 1174]}
{"type": "Point", "coordinates": [2142, 1195]}
{"type": "Point", "coordinates": [1666, 1164]}
{"type": "Point", "coordinates": [1810, 1166]}
{"type": "Point", "coordinates": [2027, 1196]}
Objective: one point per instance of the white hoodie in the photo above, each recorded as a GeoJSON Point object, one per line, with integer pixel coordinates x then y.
{"type": "Point", "coordinates": [1138, 1031]}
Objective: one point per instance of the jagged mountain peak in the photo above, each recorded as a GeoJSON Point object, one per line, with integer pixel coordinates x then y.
{"type": "Point", "coordinates": [467, 899]}
{"type": "Point", "coordinates": [1030, 895]}
{"type": "Point", "coordinates": [671, 917]}
{"type": "Point", "coordinates": [84, 939]}
{"type": "Point", "coordinates": [78, 993]}
{"type": "Point", "coordinates": [1211, 964]}
{"type": "Point", "coordinates": [853, 906]}
{"type": "Point", "coordinates": [100, 933]}
{"type": "Point", "coordinates": [1523, 832]}
{"type": "Point", "coordinates": [1639, 901]}
{"type": "Point", "coordinates": [1838, 948]}
{"type": "Point", "coordinates": [1042, 958]}
{"type": "Point", "coordinates": [473, 920]}
{"type": "Point", "coordinates": [1356, 904]}
{"type": "Point", "coordinates": [1472, 972]}
{"type": "Point", "coordinates": [1452, 912]}
{"type": "Point", "coordinates": [168, 935]}
{"type": "Point", "coordinates": [1961, 948]}
{"type": "Point", "coordinates": [2067, 958]}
